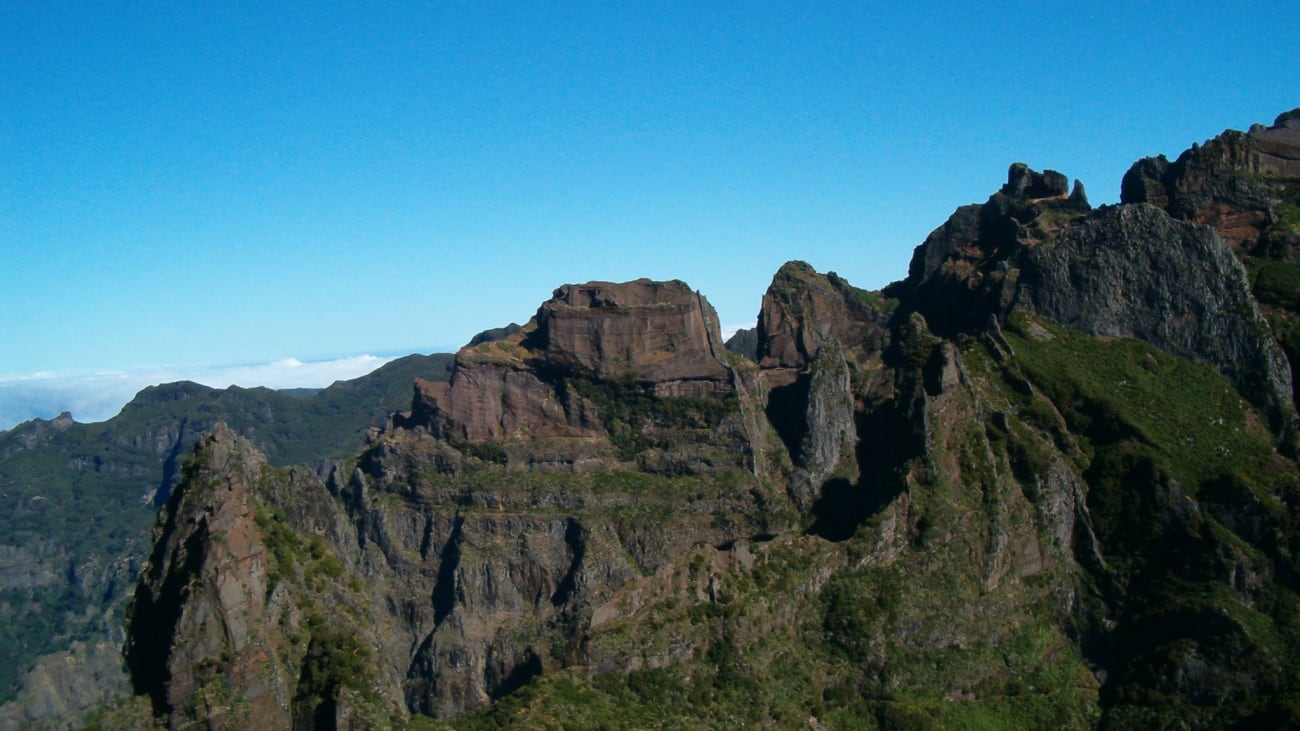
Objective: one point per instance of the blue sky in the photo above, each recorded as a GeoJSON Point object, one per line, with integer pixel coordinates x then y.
{"type": "Point", "coordinates": [188, 185]}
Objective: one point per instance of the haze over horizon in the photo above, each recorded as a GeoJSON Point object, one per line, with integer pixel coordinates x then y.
{"type": "Point", "coordinates": [245, 184]}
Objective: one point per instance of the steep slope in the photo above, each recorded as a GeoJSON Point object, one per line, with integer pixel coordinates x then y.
{"type": "Point", "coordinates": [487, 552]}
{"type": "Point", "coordinates": [80, 498]}
{"type": "Point", "coordinates": [1047, 480]}
{"type": "Point", "coordinates": [1247, 186]}
{"type": "Point", "coordinates": [1125, 271]}
{"type": "Point", "coordinates": [249, 626]}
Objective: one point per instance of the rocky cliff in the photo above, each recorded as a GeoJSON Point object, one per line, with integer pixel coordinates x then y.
{"type": "Point", "coordinates": [1246, 185]}
{"type": "Point", "coordinates": [79, 500]}
{"type": "Point", "coordinates": [661, 336]}
{"type": "Point", "coordinates": [1124, 271]}
{"type": "Point", "coordinates": [1036, 483]}
{"type": "Point", "coordinates": [1235, 183]}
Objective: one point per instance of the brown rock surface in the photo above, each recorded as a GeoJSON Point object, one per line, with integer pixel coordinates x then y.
{"type": "Point", "coordinates": [1231, 182]}
{"type": "Point", "coordinates": [210, 554]}
{"type": "Point", "coordinates": [662, 332]}
{"type": "Point", "coordinates": [802, 309]}
{"type": "Point", "coordinates": [228, 623]}
{"type": "Point", "coordinates": [661, 335]}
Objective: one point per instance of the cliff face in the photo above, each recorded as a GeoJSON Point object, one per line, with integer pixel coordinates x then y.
{"type": "Point", "coordinates": [1126, 271]}
{"type": "Point", "coordinates": [661, 336]}
{"type": "Point", "coordinates": [1234, 183]}
{"type": "Point", "coordinates": [1034, 484]}
{"type": "Point", "coordinates": [65, 581]}
{"type": "Point", "coordinates": [1246, 185]}
{"type": "Point", "coordinates": [242, 621]}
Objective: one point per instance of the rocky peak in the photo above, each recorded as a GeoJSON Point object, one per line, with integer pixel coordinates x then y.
{"type": "Point", "coordinates": [658, 332]}
{"type": "Point", "coordinates": [240, 618]}
{"type": "Point", "coordinates": [1232, 182]}
{"type": "Point", "coordinates": [31, 433]}
{"type": "Point", "coordinates": [1025, 183]}
{"type": "Point", "coordinates": [194, 615]}
{"type": "Point", "coordinates": [1132, 271]}
{"type": "Point", "coordinates": [661, 336]}
{"type": "Point", "coordinates": [802, 309]}
{"type": "Point", "coordinates": [1027, 210]}
{"type": "Point", "coordinates": [1129, 271]}
{"type": "Point", "coordinates": [1279, 145]}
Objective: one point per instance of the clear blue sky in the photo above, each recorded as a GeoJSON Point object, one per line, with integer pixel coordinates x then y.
{"type": "Point", "coordinates": [214, 183]}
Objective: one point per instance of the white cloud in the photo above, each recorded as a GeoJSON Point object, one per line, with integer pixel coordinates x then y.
{"type": "Point", "coordinates": [99, 395]}
{"type": "Point", "coordinates": [729, 330]}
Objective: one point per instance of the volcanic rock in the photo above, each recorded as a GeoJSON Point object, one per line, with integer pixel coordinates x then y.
{"type": "Point", "coordinates": [661, 336]}
{"type": "Point", "coordinates": [1231, 182]}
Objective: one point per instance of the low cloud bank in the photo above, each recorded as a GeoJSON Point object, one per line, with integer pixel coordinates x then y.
{"type": "Point", "coordinates": [96, 396]}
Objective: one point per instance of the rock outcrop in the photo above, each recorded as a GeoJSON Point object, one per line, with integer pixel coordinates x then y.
{"type": "Point", "coordinates": [226, 633]}
{"type": "Point", "coordinates": [1018, 485]}
{"type": "Point", "coordinates": [553, 377]}
{"type": "Point", "coordinates": [811, 327]}
{"type": "Point", "coordinates": [1232, 183]}
{"type": "Point", "coordinates": [1132, 271]}
{"type": "Point", "coordinates": [204, 592]}
{"type": "Point", "coordinates": [1128, 271]}
{"type": "Point", "coordinates": [967, 269]}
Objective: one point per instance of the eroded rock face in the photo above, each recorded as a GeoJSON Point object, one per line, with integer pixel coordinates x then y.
{"type": "Point", "coordinates": [803, 309]}
{"type": "Point", "coordinates": [928, 498]}
{"type": "Point", "coordinates": [1230, 183]}
{"type": "Point", "coordinates": [227, 627]}
{"type": "Point", "coordinates": [202, 596]}
{"type": "Point", "coordinates": [662, 336]}
{"type": "Point", "coordinates": [1131, 271]}
{"type": "Point", "coordinates": [660, 332]}
{"type": "Point", "coordinates": [966, 270]}
{"type": "Point", "coordinates": [813, 329]}
{"type": "Point", "coordinates": [64, 685]}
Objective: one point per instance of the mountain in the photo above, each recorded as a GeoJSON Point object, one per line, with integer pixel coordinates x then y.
{"type": "Point", "coordinates": [1048, 479]}
{"type": "Point", "coordinates": [79, 500]}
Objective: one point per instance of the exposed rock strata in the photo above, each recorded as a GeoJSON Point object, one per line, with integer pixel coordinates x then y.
{"type": "Point", "coordinates": [1132, 271]}
{"type": "Point", "coordinates": [900, 508]}
{"type": "Point", "coordinates": [214, 610]}
{"type": "Point", "coordinates": [662, 336]}
{"type": "Point", "coordinates": [1230, 183]}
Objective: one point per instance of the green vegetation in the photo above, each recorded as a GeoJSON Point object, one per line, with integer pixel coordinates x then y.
{"type": "Point", "coordinates": [1186, 417]}
{"type": "Point", "coordinates": [1155, 431]}
{"type": "Point", "coordinates": [1276, 283]}
{"type": "Point", "coordinates": [292, 556]}
{"type": "Point", "coordinates": [79, 502]}
{"type": "Point", "coordinates": [637, 420]}
{"type": "Point", "coordinates": [1289, 209]}
{"type": "Point", "coordinates": [335, 660]}
{"type": "Point", "coordinates": [843, 661]}
{"type": "Point", "coordinates": [876, 300]}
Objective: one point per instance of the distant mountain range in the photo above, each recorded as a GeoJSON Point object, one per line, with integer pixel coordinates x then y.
{"type": "Point", "coordinates": [79, 499]}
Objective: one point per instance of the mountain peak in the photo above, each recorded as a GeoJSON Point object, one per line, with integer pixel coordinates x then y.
{"type": "Point", "coordinates": [662, 336]}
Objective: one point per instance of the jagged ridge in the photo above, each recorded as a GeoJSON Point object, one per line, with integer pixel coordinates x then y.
{"type": "Point", "coordinates": [948, 503]}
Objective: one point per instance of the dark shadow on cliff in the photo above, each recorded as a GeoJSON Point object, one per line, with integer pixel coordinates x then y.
{"type": "Point", "coordinates": [885, 443]}
{"type": "Point", "coordinates": [573, 540]}
{"type": "Point", "coordinates": [516, 677]}
{"type": "Point", "coordinates": [787, 410]}
{"type": "Point", "coordinates": [172, 467]}
{"type": "Point", "coordinates": [444, 589]}
{"type": "Point", "coordinates": [147, 651]}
